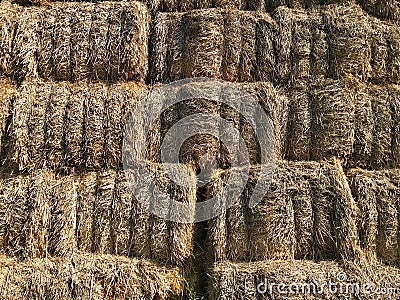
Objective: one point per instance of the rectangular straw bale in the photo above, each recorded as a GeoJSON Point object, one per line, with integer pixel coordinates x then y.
{"type": "Point", "coordinates": [80, 23]}
{"type": "Point", "coordinates": [299, 123]}
{"type": "Point", "coordinates": [232, 46]}
{"type": "Point", "coordinates": [41, 97]}
{"type": "Point", "coordinates": [276, 106]}
{"type": "Point", "coordinates": [135, 27]}
{"type": "Point", "coordinates": [387, 241]}
{"type": "Point", "coordinates": [160, 228]}
{"type": "Point", "coordinates": [332, 121]}
{"type": "Point", "coordinates": [283, 43]}
{"type": "Point", "coordinates": [39, 205]}
{"type": "Point", "coordinates": [46, 47]}
{"type": "Point", "coordinates": [73, 126]}
{"type": "Point", "coordinates": [17, 144]}
{"type": "Point", "coordinates": [349, 42]}
{"type": "Point", "coordinates": [319, 45]}
{"type": "Point", "coordinates": [217, 233]}
{"type": "Point", "coordinates": [93, 125]}
{"type": "Point", "coordinates": [344, 208]}
{"type": "Point", "coordinates": [364, 127]}
{"type": "Point", "coordinates": [272, 224]}
{"type": "Point", "coordinates": [379, 51]}
{"type": "Point", "coordinates": [248, 59]}
{"type": "Point", "coordinates": [203, 31]}
{"type": "Point", "coordinates": [8, 13]}
{"type": "Point", "coordinates": [265, 55]}
{"type": "Point", "coordinates": [300, 279]}
{"type": "Point", "coordinates": [98, 42]}
{"type": "Point", "coordinates": [55, 124]}
{"type": "Point", "coordinates": [64, 199]}
{"type": "Point", "coordinates": [394, 94]}
{"type": "Point", "coordinates": [301, 42]}
{"type": "Point", "coordinates": [121, 216]}
{"type": "Point", "coordinates": [15, 216]}
{"type": "Point", "coordinates": [116, 11]}
{"type": "Point", "coordinates": [383, 124]}
{"type": "Point", "coordinates": [25, 43]}
{"type": "Point", "coordinates": [88, 276]}
{"type": "Point", "coordinates": [102, 212]}
{"type": "Point", "coordinates": [85, 219]}
{"type": "Point", "coordinates": [324, 239]}
{"type": "Point", "coordinates": [141, 219]}
{"type": "Point", "coordinates": [181, 237]}
{"type": "Point", "coordinates": [62, 41]}
{"type": "Point", "coordinates": [166, 57]}
{"type": "Point", "coordinates": [364, 188]}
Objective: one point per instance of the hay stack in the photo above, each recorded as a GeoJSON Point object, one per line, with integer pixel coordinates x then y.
{"type": "Point", "coordinates": [300, 280]}
{"type": "Point", "coordinates": [376, 195]}
{"type": "Point", "coordinates": [88, 276]}
{"type": "Point", "coordinates": [71, 42]}
{"type": "Point", "coordinates": [237, 38]}
{"type": "Point", "coordinates": [307, 212]}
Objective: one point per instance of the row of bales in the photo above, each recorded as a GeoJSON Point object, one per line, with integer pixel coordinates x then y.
{"type": "Point", "coordinates": [72, 226]}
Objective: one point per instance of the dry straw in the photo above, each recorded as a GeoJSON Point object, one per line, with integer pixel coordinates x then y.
{"type": "Point", "coordinates": [64, 126]}
{"type": "Point", "coordinates": [88, 276]}
{"type": "Point", "coordinates": [74, 41]}
{"type": "Point", "coordinates": [382, 9]}
{"type": "Point", "coordinates": [376, 195]}
{"type": "Point", "coordinates": [97, 212]}
{"type": "Point", "coordinates": [306, 213]}
{"type": "Point", "coordinates": [215, 41]}
{"type": "Point", "coordinates": [240, 280]}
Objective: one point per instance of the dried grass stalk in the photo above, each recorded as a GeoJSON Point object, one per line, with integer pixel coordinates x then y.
{"type": "Point", "coordinates": [62, 232]}
{"type": "Point", "coordinates": [319, 45]}
{"type": "Point", "coordinates": [265, 30]}
{"type": "Point", "coordinates": [248, 50]}
{"type": "Point", "coordinates": [232, 46]}
{"type": "Point", "coordinates": [379, 51]}
{"type": "Point", "coordinates": [382, 9]}
{"type": "Point", "coordinates": [7, 97]}
{"type": "Point", "coordinates": [46, 47]}
{"type": "Point", "coordinates": [394, 94]}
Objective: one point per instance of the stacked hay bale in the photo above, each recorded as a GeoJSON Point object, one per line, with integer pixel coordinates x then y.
{"type": "Point", "coordinates": [305, 214]}
{"type": "Point", "coordinates": [72, 42]}
{"type": "Point", "coordinates": [100, 212]}
{"type": "Point", "coordinates": [377, 196]}
{"type": "Point", "coordinates": [88, 276]}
